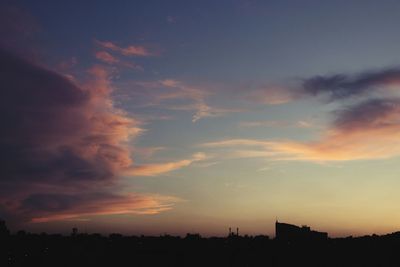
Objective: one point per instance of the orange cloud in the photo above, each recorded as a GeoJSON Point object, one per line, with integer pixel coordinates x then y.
{"type": "Point", "coordinates": [335, 146]}
{"type": "Point", "coordinates": [161, 168]}
{"type": "Point", "coordinates": [101, 204]}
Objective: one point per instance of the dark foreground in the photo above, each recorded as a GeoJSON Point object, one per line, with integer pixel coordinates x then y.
{"type": "Point", "coordinates": [115, 250]}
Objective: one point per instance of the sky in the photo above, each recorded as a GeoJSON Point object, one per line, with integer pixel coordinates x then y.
{"type": "Point", "coordinates": [154, 117]}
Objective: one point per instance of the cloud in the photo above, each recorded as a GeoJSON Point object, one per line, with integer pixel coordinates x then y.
{"type": "Point", "coordinates": [131, 50]}
{"type": "Point", "coordinates": [342, 86]}
{"type": "Point", "coordinates": [106, 57]}
{"type": "Point", "coordinates": [170, 93]}
{"type": "Point", "coordinates": [198, 96]}
{"type": "Point", "coordinates": [171, 19]}
{"type": "Point", "coordinates": [53, 207]}
{"type": "Point", "coordinates": [60, 137]}
{"type": "Point", "coordinates": [371, 114]}
{"type": "Point", "coordinates": [274, 95]}
{"type": "Point", "coordinates": [202, 110]}
{"type": "Point", "coordinates": [67, 64]}
{"type": "Point", "coordinates": [148, 152]}
{"type": "Point", "coordinates": [17, 28]}
{"type": "Point", "coordinates": [273, 123]}
{"type": "Point", "coordinates": [368, 130]}
{"type": "Point", "coordinates": [335, 87]}
{"type": "Point", "coordinates": [161, 168]}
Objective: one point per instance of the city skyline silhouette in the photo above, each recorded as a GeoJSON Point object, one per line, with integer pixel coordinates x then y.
{"type": "Point", "coordinates": [292, 245]}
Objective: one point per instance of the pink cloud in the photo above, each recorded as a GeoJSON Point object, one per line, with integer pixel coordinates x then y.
{"type": "Point", "coordinates": [131, 50]}
{"type": "Point", "coordinates": [106, 57]}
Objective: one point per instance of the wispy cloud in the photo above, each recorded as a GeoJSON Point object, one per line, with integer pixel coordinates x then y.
{"type": "Point", "coordinates": [148, 152]}
{"type": "Point", "coordinates": [274, 123]}
{"type": "Point", "coordinates": [131, 50]}
{"type": "Point", "coordinates": [171, 19]}
{"type": "Point", "coordinates": [54, 207]}
{"type": "Point", "coordinates": [202, 110]}
{"type": "Point", "coordinates": [369, 130]}
{"type": "Point", "coordinates": [198, 96]}
{"type": "Point", "coordinates": [169, 94]}
{"type": "Point", "coordinates": [162, 168]}
{"type": "Point", "coordinates": [273, 95]}
{"type": "Point", "coordinates": [106, 57]}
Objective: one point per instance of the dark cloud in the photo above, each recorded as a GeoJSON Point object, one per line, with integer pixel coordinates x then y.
{"type": "Point", "coordinates": [18, 29]}
{"type": "Point", "coordinates": [50, 202]}
{"type": "Point", "coordinates": [341, 86]}
{"type": "Point", "coordinates": [373, 113]}
{"type": "Point", "coordinates": [48, 121]}
{"type": "Point", "coordinates": [58, 137]}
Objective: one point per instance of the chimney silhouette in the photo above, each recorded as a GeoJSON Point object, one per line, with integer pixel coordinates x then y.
{"type": "Point", "coordinates": [237, 231]}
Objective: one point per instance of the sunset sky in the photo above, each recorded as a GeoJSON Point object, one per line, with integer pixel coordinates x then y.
{"type": "Point", "coordinates": [153, 117]}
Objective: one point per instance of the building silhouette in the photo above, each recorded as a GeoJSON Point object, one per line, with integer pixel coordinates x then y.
{"type": "Point", "coordinates": [290, 232]}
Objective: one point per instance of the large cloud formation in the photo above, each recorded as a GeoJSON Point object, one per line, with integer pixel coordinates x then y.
{"type": "Point", "coordinates": [67, 139]}
{"type": "Point", "coordinates": [52, 126]}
